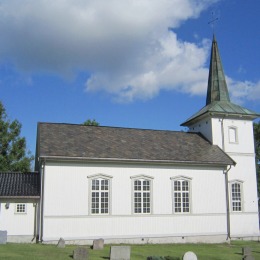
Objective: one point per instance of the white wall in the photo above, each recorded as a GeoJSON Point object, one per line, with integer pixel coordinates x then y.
{"type": "Point", "coordinates": [211, 128]}
{"type": "Point", "coordinates": [19, 226]}
{"type": "Point", "coordinates": [73, 228]}
{"type": "Point", "coordinates": [243, 153]}
{"type": "Point", "coordinates": [204, 126]}
{"type": "Point", "coordinates": [66, 202]}
{"type": "Point", "coordinates": [245, 171]}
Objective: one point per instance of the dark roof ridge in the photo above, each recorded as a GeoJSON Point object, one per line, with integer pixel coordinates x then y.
{"type": "Point", "coordinates": [116, 127]}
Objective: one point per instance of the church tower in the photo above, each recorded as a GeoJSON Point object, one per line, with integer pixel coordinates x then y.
{"type": "Point", "coordinates": [230, 126]}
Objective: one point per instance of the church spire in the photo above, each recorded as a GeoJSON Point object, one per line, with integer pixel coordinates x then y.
{"type": "Point", "coordinates": [217, 86]}
{"type": "Point", "coordinates": [218, 102]}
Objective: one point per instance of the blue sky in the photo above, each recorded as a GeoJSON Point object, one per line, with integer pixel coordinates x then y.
{"type": "Point", "coordinates": [131, 63]}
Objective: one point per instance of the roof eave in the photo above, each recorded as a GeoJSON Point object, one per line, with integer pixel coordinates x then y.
{"type": "Point", "coordinates": [123, 160]}
{"type": "Point", "coordinates": [20, 197]}
{"type": "Point", "coordinates": [195, 119]}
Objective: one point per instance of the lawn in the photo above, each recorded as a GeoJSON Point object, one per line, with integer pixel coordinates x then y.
{"type": "Point", "coordinates": [231, 251]}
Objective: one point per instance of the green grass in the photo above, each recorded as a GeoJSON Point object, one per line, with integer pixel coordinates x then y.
{"type": "Point", "coordinates": [231, 251]}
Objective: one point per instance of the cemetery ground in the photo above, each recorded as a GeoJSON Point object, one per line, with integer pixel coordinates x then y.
{"type": "Point", "coordinates": [230, 251]}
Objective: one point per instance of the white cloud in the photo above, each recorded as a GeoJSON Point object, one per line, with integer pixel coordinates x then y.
{"type": "Point", "coordinates": [124, 45]}
{"type": "Point", "coordinates": [172, 64]}
{"type": "Point", "coordinates": [240, 91]}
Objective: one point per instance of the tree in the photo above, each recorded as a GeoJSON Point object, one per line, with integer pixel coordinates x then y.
{"type": "Point", "coordinates": [257, 153]}
{"type": "Point", "coordinates": [13, 154]}
{"type": "Point", "coordinates": [91, 122]}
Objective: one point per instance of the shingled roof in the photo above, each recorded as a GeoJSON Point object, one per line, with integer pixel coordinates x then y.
{"type": "Point", "coordinates": [68, 141]}
{"type": "Point", "coordinates": [19, 185]}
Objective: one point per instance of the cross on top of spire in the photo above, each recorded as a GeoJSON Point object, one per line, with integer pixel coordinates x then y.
{"type": "Point", "coordinates": [213, 21]}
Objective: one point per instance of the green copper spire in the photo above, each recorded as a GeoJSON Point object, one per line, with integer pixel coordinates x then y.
{"type": "Point", "coordinates": [218, 102]}
{"type": "Point", "coordinates": [217, 86]}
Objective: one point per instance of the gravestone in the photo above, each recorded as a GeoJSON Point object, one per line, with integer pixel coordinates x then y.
{"type": "Point", "coordinates": [61, 243]}
{"type": "Point", "coordinates": [189, 256]}
{"type": "Point", "coordinates": [246, 251]}
{"type": "Point", "coordinates": [3, 237]}
{"type": "Point", "coordinates": [98, 244]}
{"type": "Point", "coordinates": [248, 257]}
{"type": "Point", "coordinates": [80, 253]}
{"type": "Point", "coordinates": [120, 252]}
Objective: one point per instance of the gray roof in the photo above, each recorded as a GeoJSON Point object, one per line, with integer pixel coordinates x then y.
{"type": "Point", "coordinates": [19, 185]}
{"type": "Point", "coordinates": [68, 141]}
{"type": "Point", "coordinates": [221, 108]}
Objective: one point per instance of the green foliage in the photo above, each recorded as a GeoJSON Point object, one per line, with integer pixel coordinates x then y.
{"type": "Point", "coordinates": [91, 122]}
{"type": "Point", "coordinates": [257, 153]}
{"type": "Point", "coordinates": [13, 155]}
{"type": "Point", "coordinates": [257, 140]}
{"type": "Point", "coordinates": [155, 258]}
{"type": "Point", "coordinates": [163, 258]}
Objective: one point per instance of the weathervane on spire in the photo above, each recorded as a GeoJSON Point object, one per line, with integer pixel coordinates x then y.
{"type": "Point", "coordinates": [213, 21]}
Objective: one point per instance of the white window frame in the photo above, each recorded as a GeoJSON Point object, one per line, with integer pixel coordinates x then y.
{"type": "Point", "coordinates": [102, 195]}
{"type": "Point", "coordinates": [236, 204]}
{"type": "Point", "coordinates": [20, 208]}
{"type": "Point", "coordinates": [143, 192]}
{"type": "Point", "coordinates": [232, 134]}
{"type": "Point", "coordinates": [180, 194]}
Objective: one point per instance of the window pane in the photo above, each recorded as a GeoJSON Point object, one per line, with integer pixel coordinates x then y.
{"type": "Point", "coordinates": [95, 184]}
{"type": "Point", "coordinates": [185, 186]}
{"type": "Point", "coordinates": [104, 184]}
{"type": "Point", "coordinates": [177, 185]}
{"type": "Point", "coordinates": [137, 185]}
{"type": "Point", "coordinates": [146, 185]}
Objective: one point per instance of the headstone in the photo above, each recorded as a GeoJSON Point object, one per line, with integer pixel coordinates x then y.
{"type": "Point", "coordinates": [80, 253]}
{"type": "Point", "coordinates": [120, 252]}
{"type": "Point", "coordinates": [61, 243]}
{"type": "Point", "coordinates": [246, 251]}
{"type": "Point", "coordinates": [3, 237]}
{"type": "Point", "coordinates": [189, 256]}
{"type": "Point", "coordinates": [98, 244]}
{"type": "Point", "coordinates": [248, 257]}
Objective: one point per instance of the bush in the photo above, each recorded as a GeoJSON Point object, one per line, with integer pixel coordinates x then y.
{"type": "Point", "coordinates": [162, 258]}
{"type": "Point", "coordinates": [171, 258]}
{"type": "Point", "coordinates": [155, 258]}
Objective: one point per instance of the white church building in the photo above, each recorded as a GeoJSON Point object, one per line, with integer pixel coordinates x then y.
{"type": "Point", "coordinates": [130, 185]}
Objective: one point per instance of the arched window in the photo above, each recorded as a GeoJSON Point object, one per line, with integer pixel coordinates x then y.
{"type": "Point", "coordinates": [236, 195]}
{"type": "Point", "coordinates": [100, 194]}
{"type": "Point", "coordinates": [142, 194]}
{"type": "Point", "coordinates": [181, 194]}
